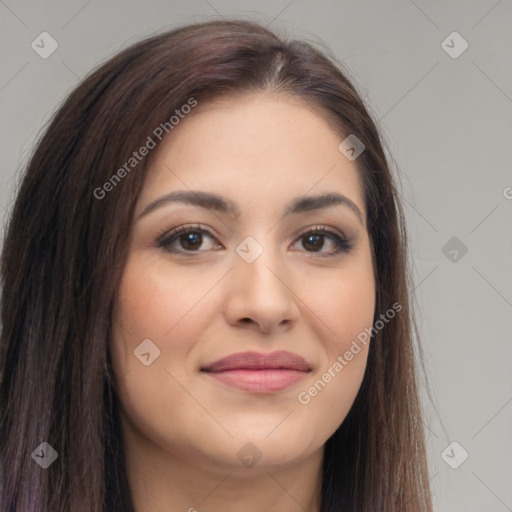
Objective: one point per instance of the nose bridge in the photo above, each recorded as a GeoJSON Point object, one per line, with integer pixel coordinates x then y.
{"type": "Point", "coordinates": [259, 289]}
{"type": "Point", "coordinates": [257, 263]}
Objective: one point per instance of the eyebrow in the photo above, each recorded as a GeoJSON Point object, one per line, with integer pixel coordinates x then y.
{"type": "Point", "coordinates": [222, 204]}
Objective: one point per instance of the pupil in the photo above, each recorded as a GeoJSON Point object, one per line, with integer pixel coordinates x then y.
{"type": "Point", "coordinates": [190, 238]}
{"type": "Point", "coordinates": [316, 241]}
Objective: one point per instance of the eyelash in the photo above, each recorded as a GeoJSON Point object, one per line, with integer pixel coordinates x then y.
{"type": "Point", "coordinates": [168, 237]}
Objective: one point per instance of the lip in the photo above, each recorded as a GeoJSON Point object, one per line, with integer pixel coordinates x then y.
{"type": "Point", "coordinates": [259, 373]}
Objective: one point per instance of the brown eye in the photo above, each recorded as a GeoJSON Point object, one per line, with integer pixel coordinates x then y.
{"type": "Point", "coordinates": [187, 239]}
{"type": "Point", "coordinates": [191, 241]}
{"type": "Point", "coordinates": [314, 241]}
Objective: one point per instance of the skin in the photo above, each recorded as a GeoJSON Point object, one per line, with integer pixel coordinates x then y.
{"type": "Point", "coordinates": [182, 428]}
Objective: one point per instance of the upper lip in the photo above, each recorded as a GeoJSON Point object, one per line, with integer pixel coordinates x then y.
{"type": "Point", "coordinates": [280, 359]}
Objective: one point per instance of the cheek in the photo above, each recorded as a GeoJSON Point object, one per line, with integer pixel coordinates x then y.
{"type": "Point", "coordinates": [168, 310]}
{"type": "Point", "coordinates": [164, 307]}
{"type": "Point", "coordinates": [344, 304]}
{"type": "Point", "coordinates": [345, 309]}
{"type": "Point", "coordinates": [350, 310]}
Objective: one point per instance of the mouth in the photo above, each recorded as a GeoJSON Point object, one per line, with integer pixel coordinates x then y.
{"type": "Point", "coordinates": [259, 373]}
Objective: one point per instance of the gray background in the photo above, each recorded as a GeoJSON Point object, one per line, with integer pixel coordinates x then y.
{"type": "Point", "coordinates": [447, 123]}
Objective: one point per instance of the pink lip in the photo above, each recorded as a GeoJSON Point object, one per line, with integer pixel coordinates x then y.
{"type": "Point", "coordinates": [259, 373]}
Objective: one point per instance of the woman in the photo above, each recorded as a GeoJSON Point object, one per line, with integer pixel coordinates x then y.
{"type": "Point", "coordinates": [208, 261]}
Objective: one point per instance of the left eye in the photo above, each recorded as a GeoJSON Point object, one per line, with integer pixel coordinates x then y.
{"type": "Point", "coordinates": [191, 239]}
{"type": "Point", "coordinates": [315, 239]}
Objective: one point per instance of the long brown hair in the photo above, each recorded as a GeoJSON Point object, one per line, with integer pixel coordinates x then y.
{"type": "Point", "coordinates": [64, 253]}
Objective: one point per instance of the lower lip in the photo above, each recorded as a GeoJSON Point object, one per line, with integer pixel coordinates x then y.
{"type": "Point", "coordinates": [259, 381]}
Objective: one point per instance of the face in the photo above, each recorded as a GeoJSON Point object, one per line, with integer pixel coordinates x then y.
{"type": "Point", "coordinates": [237, 316]}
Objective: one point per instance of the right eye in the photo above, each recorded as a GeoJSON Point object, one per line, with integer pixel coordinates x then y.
{"type": "Point", "coordinates": [189, 238]}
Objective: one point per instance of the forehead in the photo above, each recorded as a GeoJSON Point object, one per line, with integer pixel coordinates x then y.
{"type": "Point", "coordinates": [256, 148]}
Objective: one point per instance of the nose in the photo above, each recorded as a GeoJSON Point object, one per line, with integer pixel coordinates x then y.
{"type": "Point", "coordinates": [260, 294]}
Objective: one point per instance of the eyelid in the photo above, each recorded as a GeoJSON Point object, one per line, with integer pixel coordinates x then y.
{"type": "Point", "coordinates": [167, 233]}
{"type": "Point", "coordinates": [324, 228]}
